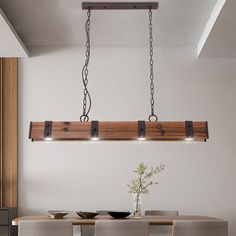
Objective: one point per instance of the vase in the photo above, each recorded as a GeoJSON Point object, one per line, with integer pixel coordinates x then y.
{"type": "Point", "coordinates": [137, 203]}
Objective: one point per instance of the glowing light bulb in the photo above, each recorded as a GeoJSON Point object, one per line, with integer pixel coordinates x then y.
{"type": "Point", "coordinates": [189, 139]}
{"type": "Point", "coordinates": [48, 139]}
{"type": "Point", "coordinates": [141, 138]}
{"type": "Point", "coordinates": [94, 139]}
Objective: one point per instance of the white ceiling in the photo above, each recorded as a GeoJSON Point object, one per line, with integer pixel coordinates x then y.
{"type": "Point", "coordinates": [61, 22]}
{"type": "Point", "coordinates": [222, 38]}
{"type": "Point", "coordinates": [10, 43]}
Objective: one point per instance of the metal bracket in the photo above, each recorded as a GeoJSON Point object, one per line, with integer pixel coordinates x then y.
{"type": "Point", "coordinates": [141, 129]}
{"type": "Point", "coordinates": [94, 129]}
{"type": "Point", "coordinates": [119, 5]}
{"type": "Point", "coordinates": [30, 130]}
{"type": "Point", "coordinates": [189, 129]}
{"type": "Point", "coordinates": [48, 129]}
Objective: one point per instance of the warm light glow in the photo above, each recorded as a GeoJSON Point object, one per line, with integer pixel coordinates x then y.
{"type": "Point", "coordinates": [189, 139]}
{"type": "Point", "coordinates": [94, 139]}
{"type": "Point", "coordinates": [48, 139]}
{"type": "Point", "coordinates": [142, 139]}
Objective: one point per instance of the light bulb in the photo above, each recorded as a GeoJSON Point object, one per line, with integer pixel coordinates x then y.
{"type": "Point", "coordinates": [48, 139]}
{"type": "Point", "coordinates": [141, 138]}
{"type": "Point", "coordinates": [189, 139]}
{"type": "Point", "coordinates": [94, 139]}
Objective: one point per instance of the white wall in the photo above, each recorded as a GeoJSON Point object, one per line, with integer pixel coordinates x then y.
{"type": "Point", "coordinates": [199, 177]}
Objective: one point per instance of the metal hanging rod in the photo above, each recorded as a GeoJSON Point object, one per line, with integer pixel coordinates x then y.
{"type": "Point", "coordinates": [119, 5]}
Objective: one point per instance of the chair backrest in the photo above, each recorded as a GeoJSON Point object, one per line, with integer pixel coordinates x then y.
{"type": "Point", "coordinates": [200, 227]}
{"type": "Point", "coordinates": [161, 213]}
{"type": "Point", "coordinates": [45, 228]}
{"type": "Point", "coordinates": [121, 228]}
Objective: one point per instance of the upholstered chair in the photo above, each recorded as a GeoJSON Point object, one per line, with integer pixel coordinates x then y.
{"type": "Point", "coordinates": [161, 230]}
{"type": "Point", "coordinates": [121, 228]}
{"type": "Point", "coordinates": [200, 228]}
{"type": "Point", "coordinates": [45, 228]}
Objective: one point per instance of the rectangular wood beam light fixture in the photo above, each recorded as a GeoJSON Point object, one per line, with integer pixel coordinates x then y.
{"type": "Point", "coordinates": [119, 5]}
{"type": "Point", "coordinates": [119, 130]}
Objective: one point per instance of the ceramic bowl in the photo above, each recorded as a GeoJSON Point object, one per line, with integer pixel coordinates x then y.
{"type": "Point", "coordinates": [87, 215]}
{"type": "Point", "coordinates": [57, 214]}
{"type": "Point", "coordinates": [119, 214]}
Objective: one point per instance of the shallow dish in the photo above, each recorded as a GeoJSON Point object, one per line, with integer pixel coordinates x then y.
{"type": "Point", "coordinates": [57, 214]}
{"type": "Point", "coordinates": [87, 215]}
{"type": "Point", "coordinates": [119, 214]}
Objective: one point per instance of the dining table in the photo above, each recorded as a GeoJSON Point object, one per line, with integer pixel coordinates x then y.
{"type": "Point", "coordinates": [153, 220]}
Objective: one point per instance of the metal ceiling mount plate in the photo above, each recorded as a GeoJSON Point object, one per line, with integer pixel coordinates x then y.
{"type": "Point", "coordinates": [119, 5]}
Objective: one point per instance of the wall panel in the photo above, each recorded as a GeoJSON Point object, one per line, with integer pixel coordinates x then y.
{"type": "Point", "coordinates": [8, 130]}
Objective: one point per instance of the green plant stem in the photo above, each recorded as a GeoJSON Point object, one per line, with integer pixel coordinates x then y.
{"type": "Point", "coordinates": [137, 201]}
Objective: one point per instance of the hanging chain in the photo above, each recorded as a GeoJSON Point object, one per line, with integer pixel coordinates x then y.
{"type": "Point", "coordinates": [87, 98]}
{"type": "Point", "coordinates": [87, 102]}
{"type": "Point", "coordinates": [152, 117]}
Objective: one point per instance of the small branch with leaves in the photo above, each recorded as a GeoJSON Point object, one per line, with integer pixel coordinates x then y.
{"type": "Point", "coordinates": [143, 181]}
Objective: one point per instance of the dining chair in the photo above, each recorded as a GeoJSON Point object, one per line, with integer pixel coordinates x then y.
{"type": "Point", "coordinates": [161, 230]}
{"type": "Point", "coordinates": [45, 228]}
{"type": "Point", "coordinates": [121, 228]}
{"type": "Point", "coordinates": [161, 213]}
{"type": "Point", "coordinates": [89, 229]}
{"type": "Point", "coordinates": [200, 228]}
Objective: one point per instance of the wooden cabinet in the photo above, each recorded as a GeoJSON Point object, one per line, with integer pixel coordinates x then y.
{"type": "Point", "coordinates": [6, 217]}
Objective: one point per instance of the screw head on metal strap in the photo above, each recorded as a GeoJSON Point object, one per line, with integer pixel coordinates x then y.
{"type": "Point", "coordinates": [94, 130]}
{"type": "Point", "coordinates": [189, 130]}
{"type": "Point", "coordinates": [47, 130]}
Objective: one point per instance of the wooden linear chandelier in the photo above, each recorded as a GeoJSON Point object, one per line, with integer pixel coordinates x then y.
{"type": "Point", "coordinates": [118, 130]}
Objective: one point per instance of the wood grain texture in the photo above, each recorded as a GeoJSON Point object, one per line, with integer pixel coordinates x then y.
{"type": "Point", "coordinates": [1, 138]}
{"type": "Point", "coordinates": [9, 132]}
{"type": "Point", "coordinates": [153, 220]}
{"type": "Point", "coordinates": [118, 130]}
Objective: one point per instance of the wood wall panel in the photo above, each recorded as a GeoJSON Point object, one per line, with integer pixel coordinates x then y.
{"type": "Point", "coordinates": [1, 140]}
{"type": "Point", "coordinates": [9, 183]}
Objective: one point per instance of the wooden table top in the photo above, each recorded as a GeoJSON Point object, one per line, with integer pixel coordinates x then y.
{"type": "Point", "coordinates": [153, 220]}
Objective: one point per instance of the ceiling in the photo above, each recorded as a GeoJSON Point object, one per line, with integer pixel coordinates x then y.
{"type": "Point", "coordinates": [222, 38]}
{"type": "Point", "coordinates": [61, 22]}
{"type": "Point", "coordinates": [10, 43]}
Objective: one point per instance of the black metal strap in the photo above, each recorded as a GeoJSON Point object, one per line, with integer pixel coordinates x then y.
{"type": "Point", "coordinates": [47, 129]}
{"type": "Point", "coordinates": [94, 129]}
{"type": "Point", "coordinates": [30, 130]}
{"type": "Point", "coordinates": [189, 129]}
{"type": "Point", "coordinates": [141, 129]}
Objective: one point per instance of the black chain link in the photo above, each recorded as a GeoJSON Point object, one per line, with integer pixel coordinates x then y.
{"type": "Point", "coordinates": [87, 102]}
{"type": "Point", "coordinates": [87, 98]}
{"type": "Point", "coordinates": [152, 117]}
